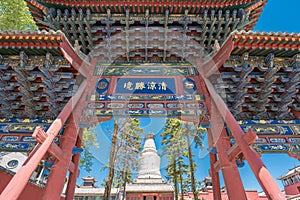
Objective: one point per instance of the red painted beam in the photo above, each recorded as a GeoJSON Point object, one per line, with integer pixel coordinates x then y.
{"type": "Point", "coordinates": [20, 179]}
{"type": "Point", "coordinates": [235, 150]}
{"type": "Point", "coordinates": [56, 178]}
{"type": "Point", "coordinates": [71, 135]}
{"type": "Point", "coordinates": [72, 168]}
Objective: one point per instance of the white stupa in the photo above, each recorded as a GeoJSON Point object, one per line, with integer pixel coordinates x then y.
{"type": "Point", "coordinates": [150, 161]}
{"type": "Point", "coordinates": [149, 178]}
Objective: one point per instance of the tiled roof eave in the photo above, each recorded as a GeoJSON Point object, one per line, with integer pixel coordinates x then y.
{"type": "Point", "coordinates": [30, 39]}
{"type": "Point", "coordinates": [289, 43]}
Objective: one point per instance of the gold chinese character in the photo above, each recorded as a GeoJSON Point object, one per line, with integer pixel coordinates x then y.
{"type": "Point", "coordinates": [151, 85]}
{"type": "Point", "coordinates": [162, 86]}
{"type": "Point", "coordinates": [128, 85]}
{"type": "Point", "coordinates": [140, 85]}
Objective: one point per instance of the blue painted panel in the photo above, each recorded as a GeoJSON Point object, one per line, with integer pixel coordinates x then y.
{"type": "Point", "coordinates": [16, 146]}
{"type": "Point", "coordinates": [249, 122]}
{"type": "Point", "coordinates": [10, 138]}
{"type": "Point", "coordinates": [274, 147]}
{"type": "Point", "coordinates": [145, 86]}
{"type": "Point", "coordinates": [189, 85]}
{"type": "Point", "coordinates": [102, 85]}
{"type": "Point", "coordinates": [269, 130]}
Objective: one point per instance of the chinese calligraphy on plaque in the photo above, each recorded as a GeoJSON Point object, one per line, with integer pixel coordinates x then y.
{"type": "Point", "coordinates": [146, 86]}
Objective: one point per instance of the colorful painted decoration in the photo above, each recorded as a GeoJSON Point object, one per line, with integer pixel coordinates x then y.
{"type": "Point", "coordinates": [273, 147]}
{"type": "Point", "coordinates": [269, 129]}
{"type": "Point", "coordinates": [135, 105]}
{"type": "Point", "coordinates": [294, 140]}
{"type": "Point", "coordinates": [10, 138]}
{"type": "Point", "coordinates": [155, 105]}
{"type": "Point", "coordinates": [115, 105]}
{"type": "Point", "coordinates": [28, 139]}
{"type": "Point", "coordinates": [277, 140]}
{"type": "Point", "coordinates": [13, 164]}
{"type": "Point", "coordinates": [175, 105]}
{"type": "Point", "coordinates": [260, 140]}
{"type": "Point", "coordinates": [16, 146]}
{"type": "Point", "coordinates": [134, 112]}
{"type": "Point", "coordinates": [189, 85]}
{"type": "Point", "coordinates": [95, 105]}
{"type": "Point", "coordinates": [156, 112]}
{"type": "Point", "coordinates": [102, 85]}
{"type": "Point", "coordinates": [149, 69]}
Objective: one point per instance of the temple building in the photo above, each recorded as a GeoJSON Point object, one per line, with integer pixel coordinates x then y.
{"type": "Point", "coordinates": [89, 190]}
{"type": "Point", "coordinates": [291, 183]}
{"type": "Point", "coordinates": [149, 184]}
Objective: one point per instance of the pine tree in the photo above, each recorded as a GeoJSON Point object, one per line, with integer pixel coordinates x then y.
{"type": "Point", "coordinates": [177, 138]}
{"type": "Point", "coordinates": [173, 144]}
{"type": "Point", "coordinates": [192, 133]}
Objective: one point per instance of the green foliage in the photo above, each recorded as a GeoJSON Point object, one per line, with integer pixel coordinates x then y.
{"type": "Point", "coordinates": [15, 15]}
{"type": "Point", "coordinates": [86, 161]}
{"type": "Point", "coordinates": [174, 147]}
{"type": "Point", "coordinates": [177, 139]}
{"type": "Point", "coordinates": [89, 139]}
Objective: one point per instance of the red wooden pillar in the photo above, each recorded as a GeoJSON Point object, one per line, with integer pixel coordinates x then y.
{"type": "Point", "coordinates": [232, 179]}
{"type": "Point", "coordinates": [233, 182]}
{"type": "Point", "coordinates": [56, 179]}
{"type": "Point", "coordinates": [213, 172]}
{"type": "Point", "coordinates": [73, 175]}
{"type": "Point", "coordinates": [260, 171]}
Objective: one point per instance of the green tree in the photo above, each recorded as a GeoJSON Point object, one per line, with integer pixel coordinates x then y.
{"type": "Point", "coordinates": [177, 139]}
{"type": "Point", "coordinates": [89, 139]}
{"type": "Point", "coordinates": [124, 153]}
{"type": "Point", "coordinates": [195, 134]}
{"type": "Point", "coordinates": [15, 15]}
{"type": "Point", "coordinates": [172, 142]}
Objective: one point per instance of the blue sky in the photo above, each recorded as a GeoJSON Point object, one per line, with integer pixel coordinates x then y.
{"type": "Point", "coordinates": [281, 16]}
{"type": "Point", "coordinates": [277, 16]}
